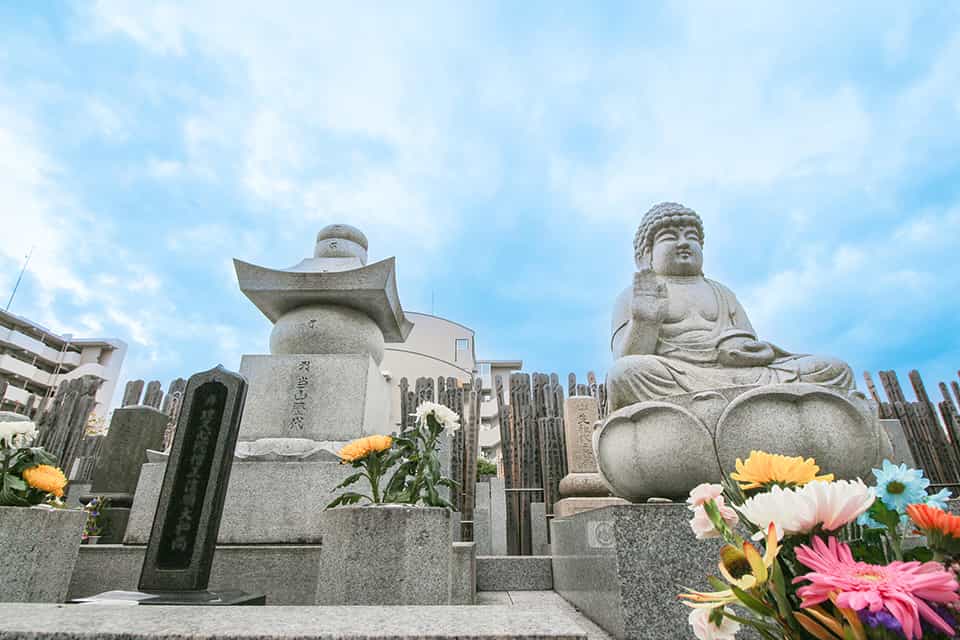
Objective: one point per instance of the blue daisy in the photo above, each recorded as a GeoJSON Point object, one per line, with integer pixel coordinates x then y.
{"type": "Point", "coordinates": [899, 486]}
{"type": "Point", "coordinates": [939, 499]}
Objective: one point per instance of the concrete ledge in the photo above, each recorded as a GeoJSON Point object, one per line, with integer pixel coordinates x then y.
{"type": "Point", "coordinates": [514, 573]}
{"type": "Point", "coordinates": [76, 622]}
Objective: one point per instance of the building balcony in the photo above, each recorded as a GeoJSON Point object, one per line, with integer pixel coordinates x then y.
{"type": "Point", "coordinates": [16, 340]}
{"type": "Point", "coordinates": [10, 365]}
{"type": "Point", "coordinates": [16, 394]}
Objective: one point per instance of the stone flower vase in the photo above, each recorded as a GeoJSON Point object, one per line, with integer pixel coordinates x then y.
{"type": "Point", "coordinates": [38, 551]}
{"type": "Point", "coordinates": [393, 554]}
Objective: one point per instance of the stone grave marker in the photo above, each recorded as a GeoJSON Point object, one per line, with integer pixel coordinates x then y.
{"type": "Point", "coordinates": [176, 567]}
{"type": "Point", "coordinates": [116, 470]}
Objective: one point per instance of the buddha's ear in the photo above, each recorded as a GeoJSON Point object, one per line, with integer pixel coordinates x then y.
{"type": "Point", "coordinates": [644, 261]}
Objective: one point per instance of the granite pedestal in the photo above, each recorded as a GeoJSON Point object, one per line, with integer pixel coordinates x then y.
{"type": "Point", "coordinates": [623, 567]}
{"type": "Point", "coordinates": [267, 502]}
{"type": "Point", "coordinates": [38, 551]}
{"type": "Point", "coordinates": [385, 555]}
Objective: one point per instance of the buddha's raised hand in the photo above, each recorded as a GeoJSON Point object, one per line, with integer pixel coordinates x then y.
{"type": "Point", "coordinates": [649, 303]}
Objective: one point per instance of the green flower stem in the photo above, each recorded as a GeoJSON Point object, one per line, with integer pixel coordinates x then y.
{"type": "Point", "coordinates": [372, 465]}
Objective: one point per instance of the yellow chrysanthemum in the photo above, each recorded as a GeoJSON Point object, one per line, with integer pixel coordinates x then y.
{"type": "Point", "coordinates": [361, 448]}
{"type": "Point", "coordinates": [46, 478]}
{"type": "Point", "coordinates": [766, 469]}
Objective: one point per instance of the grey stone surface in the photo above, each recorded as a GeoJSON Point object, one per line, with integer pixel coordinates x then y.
{"type": "Point", "coordinates": [463, 573]}
{"type": "Point", "coordinates": [133, 430]}
{"type": "Point", "coordinates": [267, 502]}
{"type": "Point", "coordinates": [371, 289]}
{"type": "Point", "coordinates": [313, 397]}
{"type": "Point", "coordinates": [503, 622]}
{"type": "Point", "coordinates": [498, 517]}
{"type": "Point", "coordinates": [623, 567]}
{"type": "Point", "coordinates": [327, 329]}
{"type": "Point", "coordinates": [287, 574]}
{"type": "Point", "coordinates": [580, 413]}
{"type": "Point", "coordinates": [571, 506]}
{"type": "Point", "coordinates": [385, 555]}
{"type": "Point", "coordinates": [514, 573]}
{"type": "Point", "coordinates": [38, 550]}
{"type": "Point", "coordinates": [538, 528]}
{"type": "Point", "coordinates": [582, 485]}
{"type": "Point", "coordinates": [481, 520]}
{"type": "Point", "coordinates": [898, 442]}
{"type": "Point", "coordinates": [184, 535]}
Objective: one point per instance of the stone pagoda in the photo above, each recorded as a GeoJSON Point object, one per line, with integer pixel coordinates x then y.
{"type": "Point", "coordinates": [318, 388]}
{"type": "Point", "coordinates": [321, 385]}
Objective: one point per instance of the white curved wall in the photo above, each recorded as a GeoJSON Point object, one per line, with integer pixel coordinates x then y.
{"type": "Point", "coordinates": [430, 351]}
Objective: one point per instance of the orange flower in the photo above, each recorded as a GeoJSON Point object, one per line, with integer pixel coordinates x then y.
{"type": "Point", "coordinates": [928, 518]}
{"type": "Point", "coordinates": [941, 528]}
{"type": "Point", "coordinates": [361, 448]}
{"type": "Point", "coordinates": [46, 478]}
{"type": "Point", "coordinates": [763, 470]}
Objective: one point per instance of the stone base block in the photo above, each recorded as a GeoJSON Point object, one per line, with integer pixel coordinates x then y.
{"type": "Point", "coordinates": [385, 555]}
{"type": "Point", "coordinates": [267, 502]}
{"type": "Point", "coordinates": [286, 574]}
{"type": "Point", "coordinates": [38, 549]}
{"type": "Point", "coordinates": [623, 567]}
{"type": "Point", "coordinates": [313, 397]}
{"type": "Point", "coordinates": [514, 573]}
{"type": "Point", "coordinates": [571, 506]}
{"type": "Point", "coordinates": [463, 573]}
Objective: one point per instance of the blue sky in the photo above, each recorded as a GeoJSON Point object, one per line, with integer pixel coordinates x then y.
{"type": "Point", "coordinates": [504, 152]}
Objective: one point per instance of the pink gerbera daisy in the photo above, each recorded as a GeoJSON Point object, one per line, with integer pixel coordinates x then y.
{"type": "Point", "coordinates": [902, 588]}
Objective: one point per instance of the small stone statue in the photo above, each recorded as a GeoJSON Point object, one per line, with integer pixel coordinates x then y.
{"type": "Point", "coordinates": [675, 331]}
{"type": "Point", "coordinates": [692, 388]}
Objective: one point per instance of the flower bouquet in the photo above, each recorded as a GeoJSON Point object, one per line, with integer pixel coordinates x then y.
{"type": "Point", "coordinates": [28, 475]}
{"type": "Point", "coordinates": [834, 564]}
{"type": "Point", "coordinates": [416, 477]}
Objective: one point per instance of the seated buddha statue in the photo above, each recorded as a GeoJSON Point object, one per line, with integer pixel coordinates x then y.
{"type": "Point", "coordinates": [675, 331]}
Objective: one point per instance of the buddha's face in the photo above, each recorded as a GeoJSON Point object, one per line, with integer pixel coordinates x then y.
{"type": "Point", "coordinates": [677, 251]}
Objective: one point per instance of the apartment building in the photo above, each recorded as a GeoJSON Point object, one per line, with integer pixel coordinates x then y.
{"type": "Point", "coordinates": [34, 360]}
{"type": "Point", "coordinates": [440, 347]}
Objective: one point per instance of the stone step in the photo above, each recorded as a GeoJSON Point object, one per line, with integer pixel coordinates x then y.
{"type": "Point", "coordinates": [115, 622]}
{"type": "Point", "coordinates": [514, 573]}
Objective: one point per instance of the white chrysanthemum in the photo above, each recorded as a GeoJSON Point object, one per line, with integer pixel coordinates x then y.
{"type": "Point", "coordinates": [14, 435]}
{"type": "Point", "coordinates": [699, 620]}
{"type": "Point", "coordinates": [799, 510]}
{"type": "Point", "coordinates": [840, 502]}
{"type": "Point", "coordinates": [445, 416]}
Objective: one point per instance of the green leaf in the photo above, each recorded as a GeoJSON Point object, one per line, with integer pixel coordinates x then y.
{"type": "Point", "coordinates": [14, 482]}
{"type": "Point", "coordinates": [753, 602]}
{"type": "Point", "coordinates": [349, 480]}
{"type": "Point", "coordinates": [920, 554]}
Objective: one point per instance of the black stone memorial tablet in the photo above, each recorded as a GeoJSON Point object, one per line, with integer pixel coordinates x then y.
{"type": "Point", "coordinates": [176, 568]}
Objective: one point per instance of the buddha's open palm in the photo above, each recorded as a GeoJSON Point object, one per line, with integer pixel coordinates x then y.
{"type": "Point", "coordinates": [649, 303]}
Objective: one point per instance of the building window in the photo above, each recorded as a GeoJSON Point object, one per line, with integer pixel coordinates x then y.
{"type": "Point", "coordinates": [462, 346]}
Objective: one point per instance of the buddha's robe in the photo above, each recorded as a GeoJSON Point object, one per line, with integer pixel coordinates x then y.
{"type": "Point", "coordinates": [686, 356]}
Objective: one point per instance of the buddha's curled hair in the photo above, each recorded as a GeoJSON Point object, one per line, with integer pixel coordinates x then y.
{"type": "Point", "coordinates": [665, 214]}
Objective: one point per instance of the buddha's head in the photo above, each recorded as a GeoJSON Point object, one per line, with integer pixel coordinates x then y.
{"type": "Point", "coordinates": [669, 240]}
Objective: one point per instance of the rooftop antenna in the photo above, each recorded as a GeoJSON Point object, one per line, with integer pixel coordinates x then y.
{"type": "Point", "coordinates": [19, 278]}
